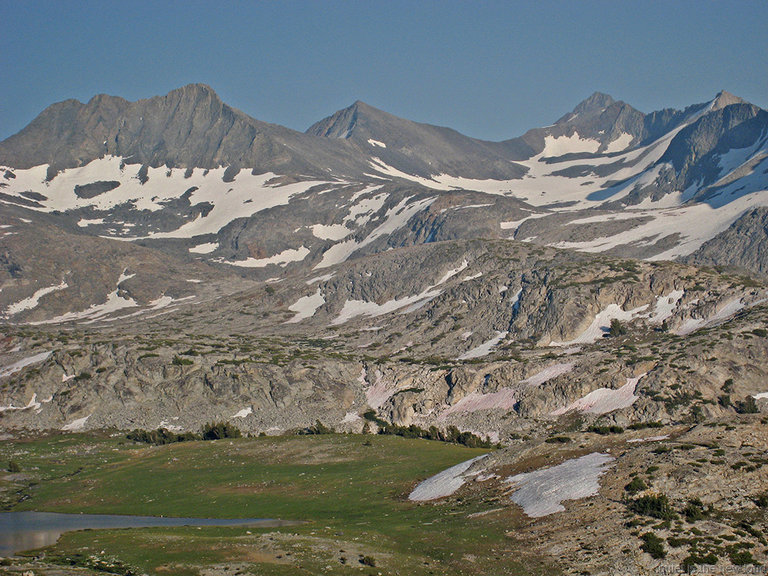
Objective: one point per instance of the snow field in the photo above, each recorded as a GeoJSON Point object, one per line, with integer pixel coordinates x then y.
{"type": "Point", "coordinates": [542, 492]}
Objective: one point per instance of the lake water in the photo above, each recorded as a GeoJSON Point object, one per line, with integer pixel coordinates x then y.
{"type": "Point", "coordinates": [28, 530]}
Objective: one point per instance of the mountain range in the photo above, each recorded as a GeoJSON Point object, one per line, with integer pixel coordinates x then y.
{"type": "Point", "coordinates": [387, 254]}
{"type": "Point", "coordinates": [171, 262]}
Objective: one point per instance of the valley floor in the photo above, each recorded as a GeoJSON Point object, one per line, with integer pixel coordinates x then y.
{"type": "Point", "coordinates": [347, 496]}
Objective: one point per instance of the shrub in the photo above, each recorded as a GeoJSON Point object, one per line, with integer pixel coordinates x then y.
{"type": "Point", "coordinates": [557, 440]}
{"type": "Point", "coordinates": [653, 545]}
{"type": "Point", "coordinates": [694, 510]}
{"type": "Point", "coordinates": [317, 428]}
{"type": "Point", "coordinates": [748, 406]}
{"type": "Point", "coordinates": [452, 434]}
{"type": "Point", "coordinates": [605, 430]}
{"type": "Point", "coordinates": [220, 430]}
{"type": "Point", "coordinates": [636, 485]}
{"type": "Point", "coordinates": [643, 425]}
{"type": "Point", "coordinates": [690, 562]}
{"type": "Point", "coordinates": [740, 557]}
{"type": "Point", "coordinates": [13, 467]}
{"type": "Point", "coordinates": [179, 361]}
{"type": "Point", "coordinates": [655, 506]}
{"type": "Point", "coordinates": [761, 500]}
{"type": "Point", "coordinates": [368, 561]}
{"type": "Point", "coordinates": [617, 328]}
{"type": "Point", "coordinates": [160, 436]}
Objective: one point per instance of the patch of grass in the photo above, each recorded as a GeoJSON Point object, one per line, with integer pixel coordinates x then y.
{"type": "Point", "coordinates": [352, 495]}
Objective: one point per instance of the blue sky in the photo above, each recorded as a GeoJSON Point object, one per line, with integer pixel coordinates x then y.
{"type": "Point", "coordinates": [488, 69]}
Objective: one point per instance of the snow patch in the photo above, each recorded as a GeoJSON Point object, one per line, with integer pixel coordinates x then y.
{"type": "Point", "coordinates": [725, 312]}
{"type": "Point", "coordinates": [443, 484]}
{"type": "Point", "coordinates": [379, 392]}
{"type": "Point", "coordinates": [549, 373]}
{"type": "Point", "coordinates": [373, 142]}
{"type": "Point", "coordinates": [33, 404]}
{"type": "Point", "coordinates": [485, 348]}
{"type": "Point", "coordinates": [21, 364]}
{"type": "Point", "coordinates": [353, 308]}
{"type": "Point", "coordinates": [323, 278]}
{"type": "Point", "coordinates": [515, 224]}
{"type": "Point", "coordinates": [541, 493]}
{"type": "Point", "coordinates": [503, 399]}
{"type": "Point", "coordinates": [332, 232]}
{"type": "Point", "coordinates": [620, 143]}
{"type": "Point", "coordinates": [281, 259]}
{"type": "Point", "coordinates": [568, 144]}
{"type": "Point", "coordinates": [649, 439]}
{"type": "Point", "coordinates": [114, 303]}
{"type": "Point", "coordinates": [665, 306]}
{"type": "Point", "coordinates": [306, 307]}
{"type": "Point", "coordinates": [76, 425]}
{"type": "Point", "coordinates": [34, 300]}
{"type": "Point", "coordinates": [395, 218]}
{"type": "Point", "coordinates": [243, 413]}
{"type": "Point", "coordinates": [604, 400]}
{"type": "Point", "coordinates": [451, 273]}
{"type": "Point", "coordinates": [206, 248]}
{"type": "Point", "coordinates": [601, 324]}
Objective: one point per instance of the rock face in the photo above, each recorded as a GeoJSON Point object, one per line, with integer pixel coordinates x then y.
{"type": "Point", "coordinates": [744, 245]}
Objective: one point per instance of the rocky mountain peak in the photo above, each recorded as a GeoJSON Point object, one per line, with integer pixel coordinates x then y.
{"type": "Point", "coordinates": [342, 123]}
{"type": "Point", "coordinates": [597, 101]}
{"type": "Point", "coordinates": [724, 99]}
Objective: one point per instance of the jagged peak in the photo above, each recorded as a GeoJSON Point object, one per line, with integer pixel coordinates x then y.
{"type": "Point", "coordinates": [724, 99]}
{"type": "Point", "coordinates": [597, 101]}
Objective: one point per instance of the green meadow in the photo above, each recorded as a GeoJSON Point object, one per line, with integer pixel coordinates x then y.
{"type": "Point", "coordinates": [343, 500]}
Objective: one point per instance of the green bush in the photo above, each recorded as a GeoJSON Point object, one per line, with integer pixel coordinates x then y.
{"type": "Point", "coordinates": [617, 328]}
{"type": "Point", "coordinates": [653, 545]}
{"type": "Point", "coordinates": [557, 440]}
{"type": "Point", "coordinates": [655, 506]}
{"type": "Point", "coordinates": [694, 510]}
{"type": "Point", "coordinates": [452, 434]}
{"type": "Point", "coordinates": [636, 485]}
{"type": "Point", "coordinates": [747, 406]}
{"type": "Point", "coordinates": [605, 430]}
{"type": "Point", "coordinates": [740, 557]}
{"type": "Point", "coordinates": [179, 361]}
{"type": "Point", "coordinates": [317, 428]}
{"type": "Point", "coordinates": [643, 425]}
{"type": "Point", "coordinates": [690, 562]}
{"type": "Point", "coordinates": [220, 430]}
{"type": "Point", "coordinates": [13, 467]}
{"type": "Point", "coordinates": [160, 436]}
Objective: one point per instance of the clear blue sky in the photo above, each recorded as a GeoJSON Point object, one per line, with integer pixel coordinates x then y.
{"type": "Point", "coordinates": [488, 69]}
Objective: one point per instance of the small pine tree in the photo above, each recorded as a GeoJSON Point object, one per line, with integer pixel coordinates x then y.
{"type": "Point", "coordinates": [617, 328]}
